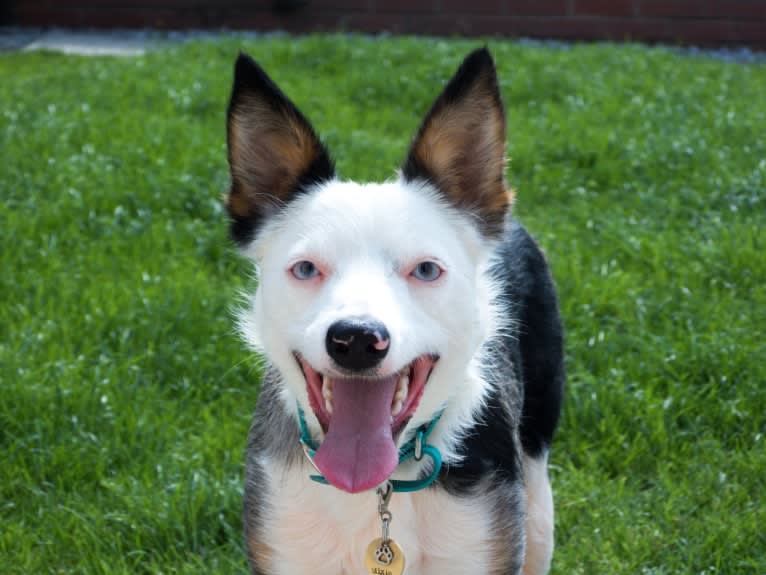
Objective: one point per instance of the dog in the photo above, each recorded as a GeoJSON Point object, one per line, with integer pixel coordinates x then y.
{"type": "Point", "coordinates": [413, 345]}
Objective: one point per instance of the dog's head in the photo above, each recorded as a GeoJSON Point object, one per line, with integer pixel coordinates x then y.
{"type": "Point", "coordinates": [373, 299]}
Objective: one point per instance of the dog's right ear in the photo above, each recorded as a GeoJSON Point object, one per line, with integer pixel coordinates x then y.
{"type": "Point", "coordinates": [274, 153]}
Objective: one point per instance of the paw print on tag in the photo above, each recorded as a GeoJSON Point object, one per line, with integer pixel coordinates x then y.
{"type": "Point", "coordinates": [384, 558]}
{"type": "Point", "coordinates": [384, 555]}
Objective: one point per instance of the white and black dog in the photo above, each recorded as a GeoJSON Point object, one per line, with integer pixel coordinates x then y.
{"type": "Point", "coordinates": [400, 319]}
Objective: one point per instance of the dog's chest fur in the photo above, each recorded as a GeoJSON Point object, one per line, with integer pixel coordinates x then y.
{"type": "Point", "coordinates": [316, 529]}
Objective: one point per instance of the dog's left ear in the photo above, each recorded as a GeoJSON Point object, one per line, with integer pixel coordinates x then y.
{"type": "Point", "coordinates": [274, 153]}
{"type": "Point", "coordinates": [460, 147]}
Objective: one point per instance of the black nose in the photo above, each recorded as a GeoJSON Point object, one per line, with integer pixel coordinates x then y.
{"type": "Point", "coordinates": [358, 343]}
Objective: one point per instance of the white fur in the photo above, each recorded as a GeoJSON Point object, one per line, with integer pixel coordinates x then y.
{"type": "Point", "coordinates": [367, 237]}
{"type": "Point", "coordinates": [321, 531]}
{"type": "Point", "coordinates": [539, 519]}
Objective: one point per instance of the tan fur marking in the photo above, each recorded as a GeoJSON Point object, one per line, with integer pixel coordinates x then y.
{"type": "Point", "coordinates": [237, 203]}
{"type": "Point", "coordinates": [463, 145]}
{"type": "Point", "coordinates": [269, 151]}
{"type": "Point", "coordinates": [260, 553]}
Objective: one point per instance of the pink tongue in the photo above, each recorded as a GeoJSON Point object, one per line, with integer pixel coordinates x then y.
{"type": "Point", "coordinates": [358, 452]}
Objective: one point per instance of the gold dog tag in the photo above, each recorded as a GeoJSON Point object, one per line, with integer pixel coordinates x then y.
{"type": "Point", "coordinates": [384, 558]}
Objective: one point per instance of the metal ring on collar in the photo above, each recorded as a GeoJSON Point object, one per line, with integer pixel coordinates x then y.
{"type": "Point", "coordinates": [418, 445]}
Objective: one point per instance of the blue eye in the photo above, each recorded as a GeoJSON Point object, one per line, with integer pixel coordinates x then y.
{"type": "Point", "coordinates": [304, 270]}
{"type": "Point", "coordinates": [427, 271]}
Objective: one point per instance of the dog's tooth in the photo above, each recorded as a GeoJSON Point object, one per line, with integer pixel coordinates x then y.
{"type": "Point", "coordinates": [328, 405]}
{"type": "Point", "coordinates": [402, 388]}
{"type": "Point", "coordinates": [396, 407]}
{"type": "Point", "coordinates": [326, 387]}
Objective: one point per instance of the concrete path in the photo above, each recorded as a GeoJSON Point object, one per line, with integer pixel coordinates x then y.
{"type": "Point", "coordinates": [136, 42]}
{"type": "Point", "coordinates": [101, 42]}
{"type": "Point", "coordinates": [88, 43]}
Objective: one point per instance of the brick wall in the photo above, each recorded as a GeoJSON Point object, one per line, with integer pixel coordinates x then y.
{"type": "Point", "coordinates": [699, 22]}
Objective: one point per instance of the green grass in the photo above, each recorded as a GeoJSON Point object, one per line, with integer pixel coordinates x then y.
{"type": "Point", "coordinates": [126, 397]}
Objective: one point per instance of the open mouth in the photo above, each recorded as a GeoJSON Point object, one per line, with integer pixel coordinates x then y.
{"type": "Point", "coordinates": [362, 417]}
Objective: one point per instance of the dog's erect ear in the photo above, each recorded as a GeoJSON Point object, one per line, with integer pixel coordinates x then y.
{"type": "Point", "coordinates": [274, 153]}
{"type": "Point", "coordinates": [460, 147]}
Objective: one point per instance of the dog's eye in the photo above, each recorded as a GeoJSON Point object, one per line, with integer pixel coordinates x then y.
{"type": "Point", "coordinates": [427, 271]}
{"type": "Point", "coordinates": [304, 270]}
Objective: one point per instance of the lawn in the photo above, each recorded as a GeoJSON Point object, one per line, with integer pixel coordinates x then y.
{"type": "Point", "coordinates": [125, 395]}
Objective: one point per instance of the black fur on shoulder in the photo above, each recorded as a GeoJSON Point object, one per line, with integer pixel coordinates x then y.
{"type": "Point", "coordinates": [540, 337]}
{"type": "Point", "coordinates": [526, 367]}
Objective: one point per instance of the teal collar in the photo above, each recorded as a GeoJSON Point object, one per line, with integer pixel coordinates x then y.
{"type": "Point", "coordinates": [415, 448]}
